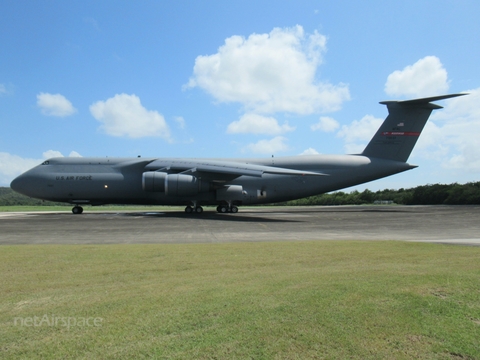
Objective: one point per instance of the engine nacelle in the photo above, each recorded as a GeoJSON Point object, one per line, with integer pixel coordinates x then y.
{"type": "Point", "coordinates": [181, 185]}
{"type": "Point", "coordinates": [173, 184]}
{"type": "Point", "coordinates": [154, 181]}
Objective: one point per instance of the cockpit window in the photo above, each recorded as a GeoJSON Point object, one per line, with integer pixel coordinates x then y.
{"type": "Point", "coordinates": [46, 162]}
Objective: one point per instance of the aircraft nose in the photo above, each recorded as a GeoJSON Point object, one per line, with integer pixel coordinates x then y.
{"type": "Point", "coordinates": [22, 184]}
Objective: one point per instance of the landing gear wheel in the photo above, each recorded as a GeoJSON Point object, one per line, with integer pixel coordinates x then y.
{"type": "Point", "coordinates": [188, 209]}
{"type": "Point", "coordinates": [198, 209]}
{"type": "Point", "coordinates": [223, 209]}
{"type": "Point", "coordinates": [77, 210]}
{"type": "Point", "coordinates": [234, 209]}
{"type": "Point", "coordinates": [218, 208]}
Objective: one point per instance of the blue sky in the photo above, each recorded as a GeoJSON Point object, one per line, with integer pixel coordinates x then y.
{"type": "Point", "coordinates": [236, 79]}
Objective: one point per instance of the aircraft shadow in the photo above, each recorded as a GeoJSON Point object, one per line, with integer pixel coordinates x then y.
{"type": "Point", "coordinates": [210, 216]}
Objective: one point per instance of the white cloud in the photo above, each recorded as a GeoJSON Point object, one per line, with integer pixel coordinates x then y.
{"type": "Point", "coordinates": [124, 115]}
{"type": "Point", "coordinates": [54, 153]}
{"type": "Point", "coordinates": [275, 145]}
{"type": "Point", "coordinates": [359, 133]}
{"type": "Point", "coordinates": [258, 124]}
{"type": "Point", "coordinates": [180, 122]}
{"type": "Point", "coordinates": [428, 143]}
{"type": "Point", "coordinates": [270, 73]}
{"type": "Point", "coordinates": [427, 77]}
{"type": "Point", "coordinates": [467, 160]}
{"type": "Point", "coordinates": [310, 151]}
{"type": "Point", "coordinates": [51, 154]}
{"type": "Point", "coordinates": [3, 89]}
{"type": "Point", "coordinates": [450, 136]}
{"type": "Point", "coordinates": [326, 124]}
{"type": "Point", "coordinates": [13, 165]}
{"type": "Point", "coordinates": [55, 105]}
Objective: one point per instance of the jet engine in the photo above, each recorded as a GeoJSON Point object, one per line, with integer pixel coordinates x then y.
{"type": "Point", "coordinates": [154, 181]}
{"type": "Point", "coordinates": [173, 184]}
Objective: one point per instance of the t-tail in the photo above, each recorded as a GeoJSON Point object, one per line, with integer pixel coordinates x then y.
{"type": "Point", "coordinates": [399, 133]}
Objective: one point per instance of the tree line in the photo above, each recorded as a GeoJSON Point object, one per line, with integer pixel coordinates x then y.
{"type": "Point", "coordinates": [436, 194]}
{"type": "Point", "coordinates": [8, 197]}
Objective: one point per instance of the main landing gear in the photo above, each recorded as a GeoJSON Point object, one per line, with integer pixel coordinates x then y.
{"type": "Point", "coordinates": [195, 209]}
{"type": "Point", "coordinates": [77, 210]}
{"type": "Point", "coordinates": [223, 209]}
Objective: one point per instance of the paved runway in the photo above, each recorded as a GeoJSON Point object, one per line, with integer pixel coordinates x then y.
{"type": "Point", "coordinates": [441, 224]}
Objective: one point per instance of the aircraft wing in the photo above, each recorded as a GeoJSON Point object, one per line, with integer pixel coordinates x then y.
{"type": "Point", "coordinates": [222, 169]}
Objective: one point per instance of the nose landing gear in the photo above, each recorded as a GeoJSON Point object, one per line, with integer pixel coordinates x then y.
{"type": "Point", "coordinates": [77, 210]}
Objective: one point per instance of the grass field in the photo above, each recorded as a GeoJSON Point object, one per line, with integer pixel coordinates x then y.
{"type": "Point", "coordinates": [272, 300]}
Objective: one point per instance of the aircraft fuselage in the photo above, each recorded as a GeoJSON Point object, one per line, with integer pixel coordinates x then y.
{"type": "Point", "coordinates": [120, 180]}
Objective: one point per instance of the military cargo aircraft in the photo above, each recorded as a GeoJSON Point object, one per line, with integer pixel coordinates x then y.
{"type": "Point", "coordinates": [229, 183]}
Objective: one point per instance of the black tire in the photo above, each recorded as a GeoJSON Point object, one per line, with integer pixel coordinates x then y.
{"type": "Point", "coordinates": [77, 210]}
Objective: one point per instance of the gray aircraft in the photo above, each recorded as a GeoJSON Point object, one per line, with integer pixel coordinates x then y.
{"type": "Point", "coordinates": [229, 183]}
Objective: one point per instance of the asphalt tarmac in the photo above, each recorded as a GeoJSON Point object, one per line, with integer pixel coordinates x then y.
{"type": "Point", "coordinates": [439, 224]}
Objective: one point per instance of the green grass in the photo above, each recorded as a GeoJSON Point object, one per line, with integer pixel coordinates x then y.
{"type": "Point", "coordinates": [280, 300]}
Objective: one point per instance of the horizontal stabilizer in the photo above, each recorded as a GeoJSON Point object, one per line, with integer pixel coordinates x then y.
{"type": "Point", "coordinates": [422, 101]}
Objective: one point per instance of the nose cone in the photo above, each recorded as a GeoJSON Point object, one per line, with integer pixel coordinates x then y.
{"type": "Point", "coordinates": [18, 184]}
{"type": "Point", "coordinates": [24, 184]}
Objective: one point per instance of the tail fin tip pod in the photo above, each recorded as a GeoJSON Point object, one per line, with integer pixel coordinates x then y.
{"type": "Point", "coordinates": [398, 134]}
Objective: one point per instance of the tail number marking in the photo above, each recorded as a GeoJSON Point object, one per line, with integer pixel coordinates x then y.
{"type": "Point", "coordinates": [400, 133]}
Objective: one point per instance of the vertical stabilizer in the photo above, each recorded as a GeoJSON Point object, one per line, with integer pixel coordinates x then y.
{"type": "Point", "coordinates": [399, 133]}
